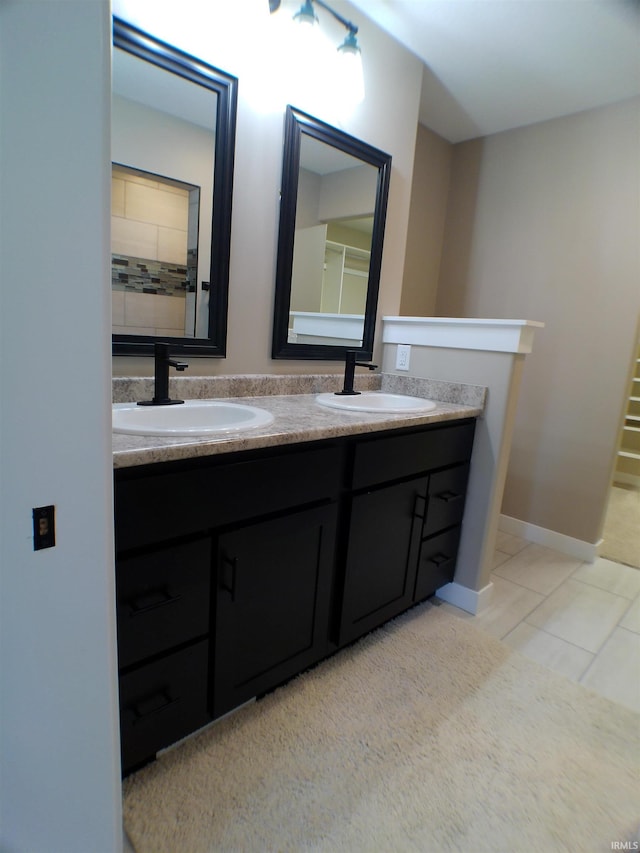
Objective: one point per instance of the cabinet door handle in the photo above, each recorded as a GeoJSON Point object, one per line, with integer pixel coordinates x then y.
{"type": "Point", "coordinates": [448, 496]}
{"type": "Point", "coordinates": [141, 604]}
{"type": "Point", "coordinates": [438, 559]}
{"type": "Point", "coordinates": [422, 514]}
{"type": "Point", "coordinates": [230, 586]}
{"type": "Point", "coordinates": [143, 713]}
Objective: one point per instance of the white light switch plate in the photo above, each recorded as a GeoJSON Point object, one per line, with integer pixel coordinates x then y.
{"type": "Point", "coordinates": [403, 357]}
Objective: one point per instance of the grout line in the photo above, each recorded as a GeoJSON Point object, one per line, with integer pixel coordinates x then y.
{"type": "Point", "coordinates": [526, 616]}
{"type": "Point", "coordinates": [564, 580]}
{"type": "Point", "coordinates": [595, 658]}
{"type": "Point", "coordinates": [628, 630]}
{"type": "Point", "coordinates": [606, 639]}
{"type": "Point", "coordinates": [563, 639]}
{"type": "Point", "coordinates": [537, 591]}
{"type": "Point", "coordinates": [528, 588]}
{"type": "Point", "coordinates": [631, 604]}
{"type": "Point", "coordinates": [602, 589]}
{"type": "Point", "coordinates": [594, 655]}
{"type": "Point", "coordinates": [550, 633]}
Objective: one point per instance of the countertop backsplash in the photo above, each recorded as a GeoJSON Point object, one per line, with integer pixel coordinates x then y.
{"type": "Point", "coordinates": [128, 389]}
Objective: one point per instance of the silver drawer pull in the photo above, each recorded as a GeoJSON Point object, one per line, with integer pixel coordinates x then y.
{"type": "Point", "coordinates": [229, 586]}
{"type": "Point", "coordinates": [448, 496]}
{"type": "Point", "coordinates": [415, 506]}
{"type": "Point", "coordinates": [149, 601]}
{"type": "Point", "coordinates": [146, 708]}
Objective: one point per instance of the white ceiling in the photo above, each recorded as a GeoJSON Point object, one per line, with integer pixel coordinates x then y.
{"type": "Point", "coordinates": [492, 65]}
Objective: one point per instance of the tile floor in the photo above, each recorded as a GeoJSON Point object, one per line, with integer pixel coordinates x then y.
{"type": "Point", "coordinates": [580, 619]}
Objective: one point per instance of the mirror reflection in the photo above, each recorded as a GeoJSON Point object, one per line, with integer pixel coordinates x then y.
{"type": "Point", "coordinates": [334, 193]}
{"type": "Point", "coordinates": [332, 248]}
{"type": "Point", "coordinates": [173, 121]}
{"type": "Point", "coordinates": [160, 236]}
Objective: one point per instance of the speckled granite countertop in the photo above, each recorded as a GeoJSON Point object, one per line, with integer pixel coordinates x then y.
{"type": "Point", "coordinates": [297, 417]}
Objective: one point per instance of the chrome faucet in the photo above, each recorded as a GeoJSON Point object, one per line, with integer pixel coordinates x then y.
{"type": "Point", "coordinates": [350, 365]}
{"type": "Point", "coordinates": [162, 363]}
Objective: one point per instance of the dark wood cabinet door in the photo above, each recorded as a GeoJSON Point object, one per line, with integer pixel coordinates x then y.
{"type": "Point", "coordinates": [382, 554]}
{"type": "Point", "coordinates": [272, 612]}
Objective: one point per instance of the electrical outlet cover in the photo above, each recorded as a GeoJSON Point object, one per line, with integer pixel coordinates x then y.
{"type": "Point", "coordinates": [403, 356]}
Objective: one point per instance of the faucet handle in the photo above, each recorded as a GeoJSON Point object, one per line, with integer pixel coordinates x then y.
{"type": "Point", "coordinates": [368, 364]}
{"type": "Point", "coordinates": [351, 356]}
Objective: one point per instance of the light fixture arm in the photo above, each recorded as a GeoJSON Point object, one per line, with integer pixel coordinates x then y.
{"type": "Point", "coordinates": [345, 23]}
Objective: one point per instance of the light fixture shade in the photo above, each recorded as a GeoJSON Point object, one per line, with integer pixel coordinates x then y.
{"type": "Point", "coordinates": [306, 14]}
{"type": "Point", "coordinates": [350, 45]}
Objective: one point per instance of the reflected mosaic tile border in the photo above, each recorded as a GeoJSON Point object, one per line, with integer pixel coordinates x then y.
{"type": "Point", "coordinates": [141, 275]}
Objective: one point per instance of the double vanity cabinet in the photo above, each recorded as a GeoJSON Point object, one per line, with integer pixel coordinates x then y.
{"type": "Point", "coordinates": [235, 572]}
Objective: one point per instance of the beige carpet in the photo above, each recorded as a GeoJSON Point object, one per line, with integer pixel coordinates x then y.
{"type": "Point", "coordinates": [622, 527]}
{"type": "Point", "coordinates": [426, 736]}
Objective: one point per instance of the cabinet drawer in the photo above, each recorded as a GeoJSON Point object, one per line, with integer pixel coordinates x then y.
{"type": "Point", "coordinates": [179, 502]}
{"type": "Point", "coordinates": [163, 702]}
{"type": "Point", "coordinates": [162, 599]}
{"type": "Point", "coordinates": [447, 490]}
{"type": "Point", "coordinates": [437, 562]}
{"type": "Point", "coordinates": [381, 459]}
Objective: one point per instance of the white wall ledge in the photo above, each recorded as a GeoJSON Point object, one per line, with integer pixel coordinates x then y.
{"type": "Point", "coordinates": [461, 333]}
{"type": "Point", "coordinates": [328, 325]}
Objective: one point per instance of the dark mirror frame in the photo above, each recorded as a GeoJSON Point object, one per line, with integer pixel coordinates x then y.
{"type": "Point", "coordinates": [225, 86]}
{"type": "Point", "coordinates": [296, 124]}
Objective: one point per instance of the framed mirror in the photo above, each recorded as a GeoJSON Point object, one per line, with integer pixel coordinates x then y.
{"type": "Point", "coordinates": [332, 216]}
{"type": "Point", "coordinates": [172, 144]}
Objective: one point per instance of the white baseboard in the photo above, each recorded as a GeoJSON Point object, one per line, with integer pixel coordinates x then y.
{"type": "Point", "coordinates": [578, 548]}
{"type": "Point", "coordinates": [626, 479]}
{"type": "Point", "coordinates": [471, 600]}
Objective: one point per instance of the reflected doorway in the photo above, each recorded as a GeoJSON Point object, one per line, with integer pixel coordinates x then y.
{"type": "Point", "coordinates": [621, 533]}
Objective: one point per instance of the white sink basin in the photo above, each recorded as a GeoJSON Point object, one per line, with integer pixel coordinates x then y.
{"type": "Point", "coordinates": [377, 401]}
{"type": "Point", "coordinates": [193, 417]}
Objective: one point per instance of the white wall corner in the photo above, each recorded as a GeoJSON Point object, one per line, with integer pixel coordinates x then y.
{"type": "Point", "coordinates": [578, 548]}
{"type": "Point", "coordinates": [472, 600]}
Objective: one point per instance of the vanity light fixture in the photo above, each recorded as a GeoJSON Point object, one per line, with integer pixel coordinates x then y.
{"type": "Point", "coordinates": [349, 50]}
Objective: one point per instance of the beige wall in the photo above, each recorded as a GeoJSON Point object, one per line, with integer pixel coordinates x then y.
{"type": "Point", "coordinates": [429, 193]}
{"type": "Point", "coordinates": [386, 119]}
{"type": "Point", "coordinates": [543, 224]}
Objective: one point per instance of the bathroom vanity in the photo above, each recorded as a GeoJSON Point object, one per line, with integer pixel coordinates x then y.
{"type": "Point", "coordinates": [245, 564]}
